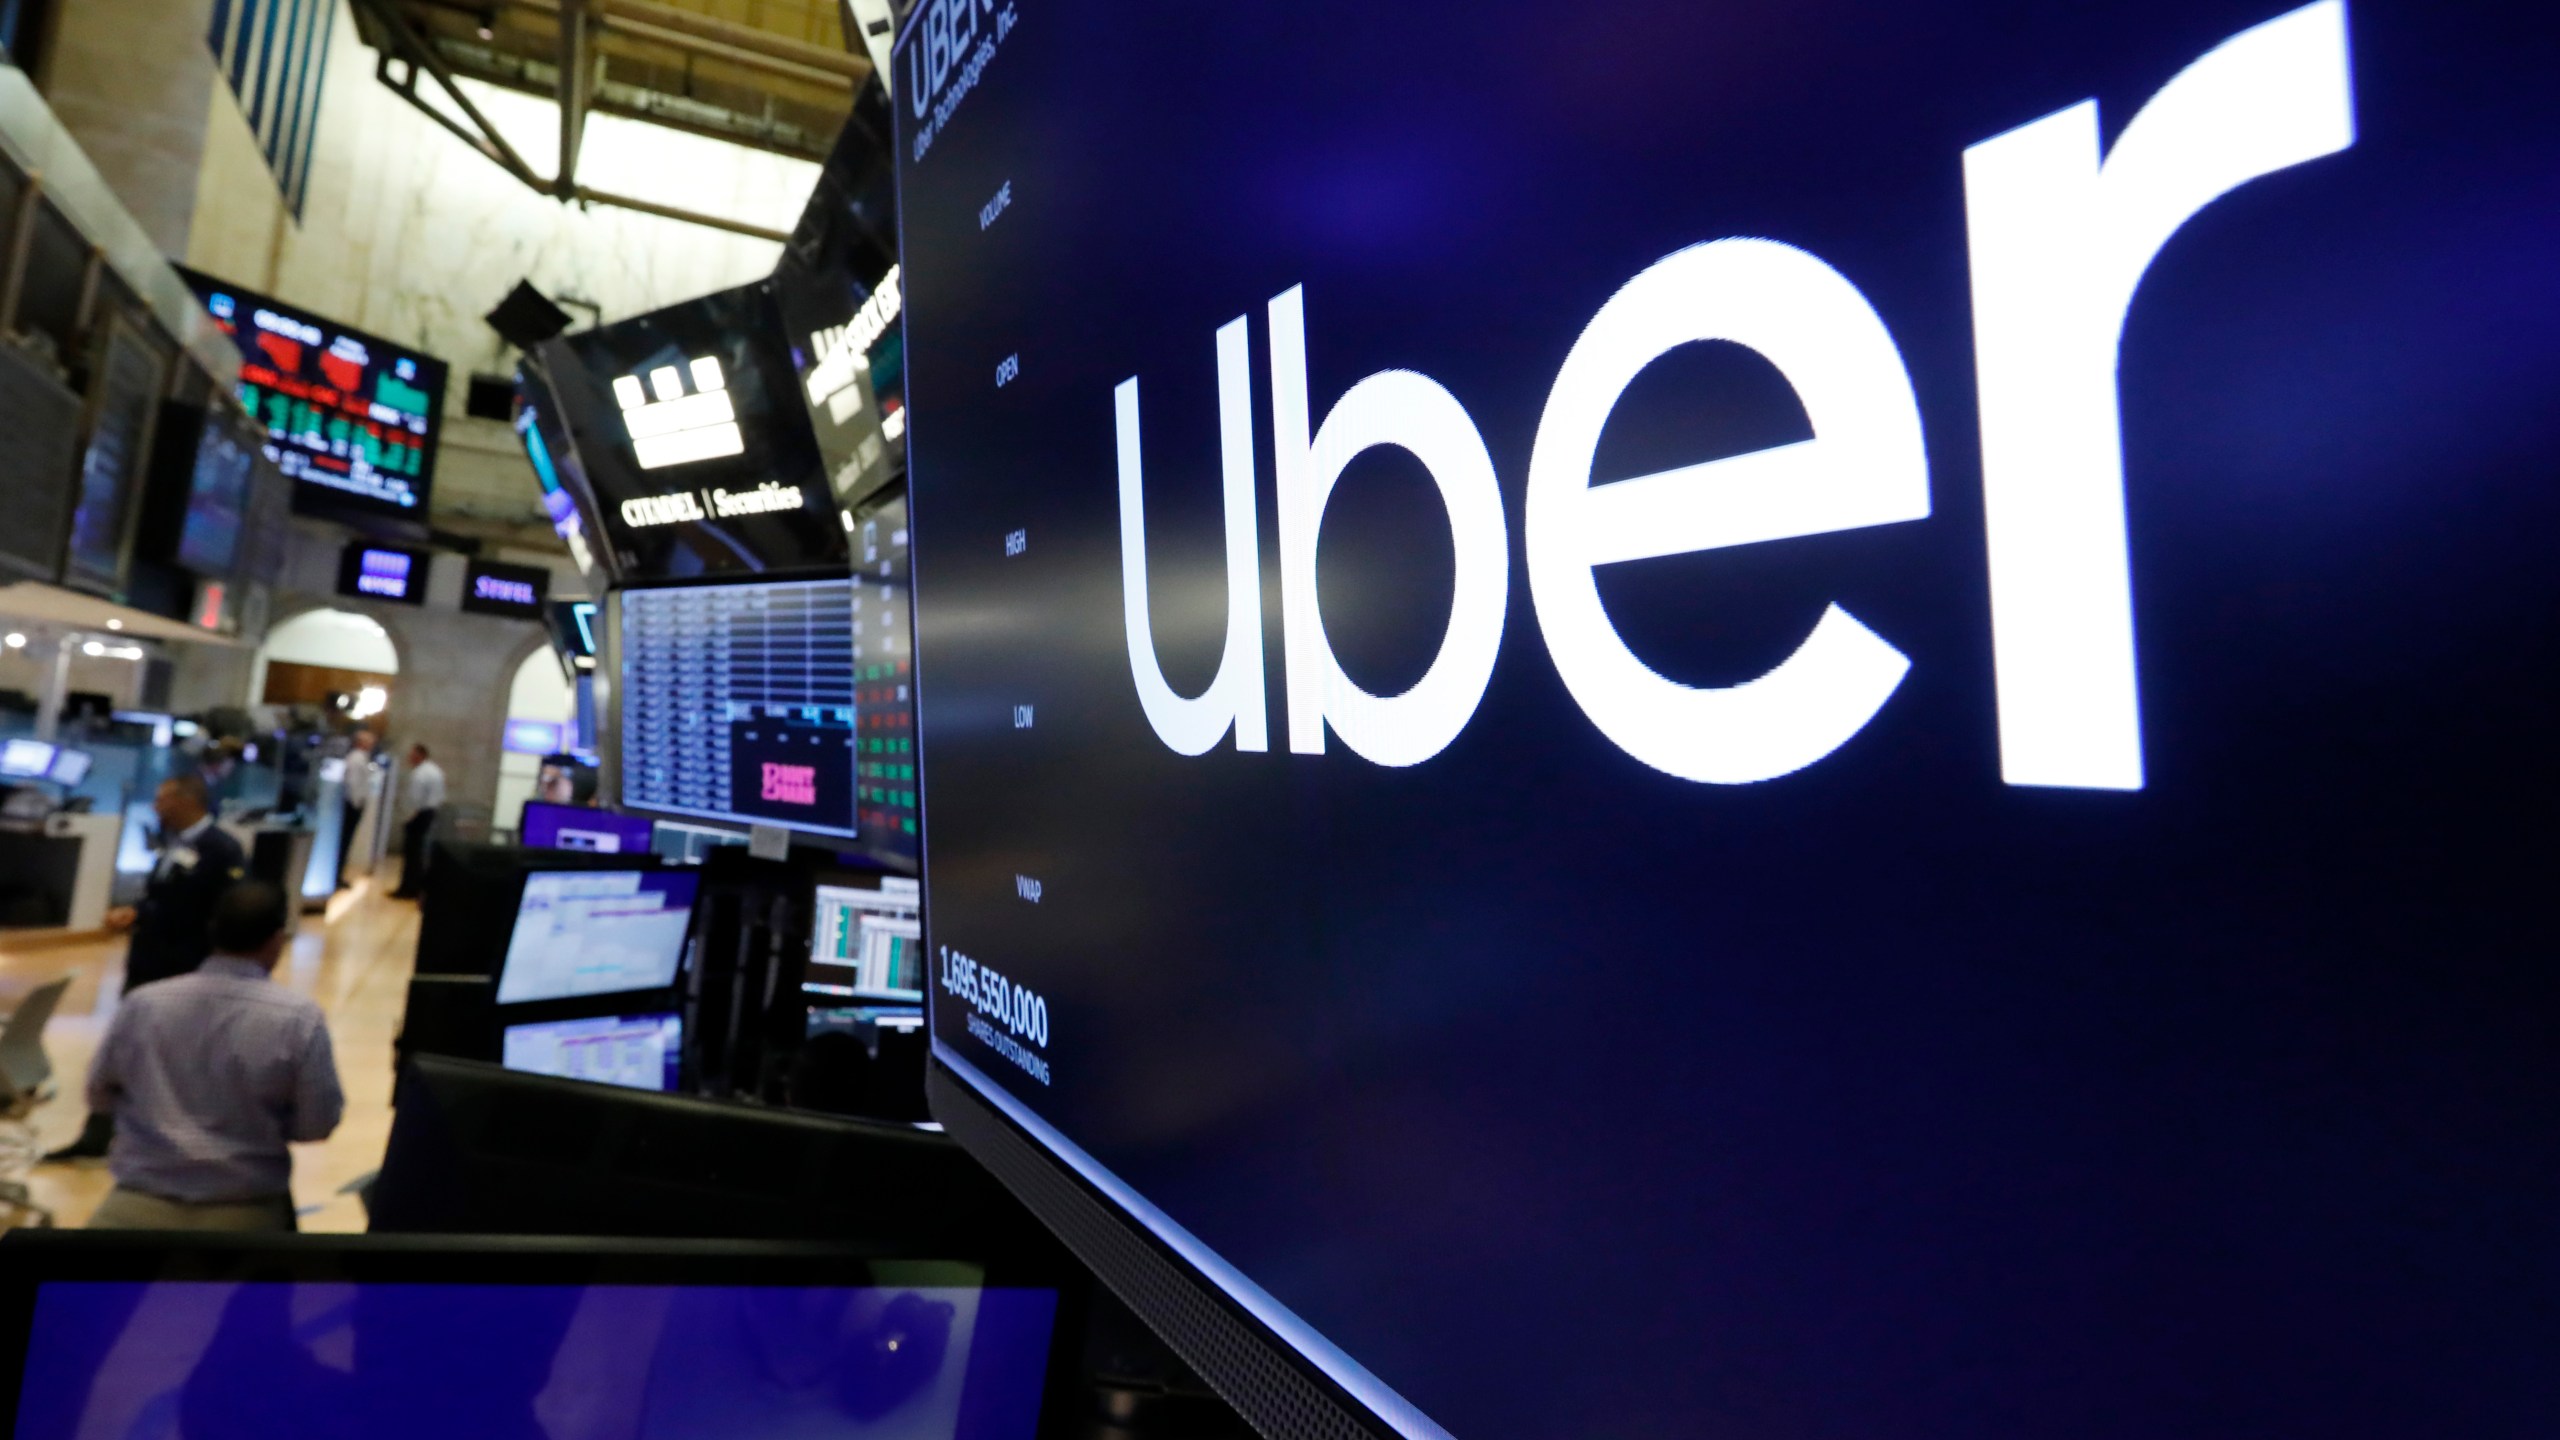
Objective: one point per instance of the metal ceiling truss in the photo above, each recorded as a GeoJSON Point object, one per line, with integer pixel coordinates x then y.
{"type": "Point", "coordinates": [574, 76]}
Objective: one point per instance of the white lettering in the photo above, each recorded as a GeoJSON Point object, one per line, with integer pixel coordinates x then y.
{"type": "Point", "coordinates": [2060, 241]}
{"type": "Point", "coordinates": [1234, 697]}
{"type": "Point", "coordinates": [1865, 465]}
{"type": "Point", "coordinates": [1412, 412]}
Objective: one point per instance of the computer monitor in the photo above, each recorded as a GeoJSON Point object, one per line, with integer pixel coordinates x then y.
{"type": "Point", "coordinates": [381, 1335]}
{"type": "Point", "coordinates": [1789, 718]}
{"type": "Point", "coordinates": [547, 826]}
{"type": "Point", "coordinates": [596, 932]}
{"type": "Point", "coordinates": [69, 766]}
{"type": "Point", "coordinates": [866, 942]}
{"type": "Point", "coordinates": [737, 704]}
{"type": "Point", "coordinates": [26, 759]}
{"type": "Point", "coordinates": [638, 1051]}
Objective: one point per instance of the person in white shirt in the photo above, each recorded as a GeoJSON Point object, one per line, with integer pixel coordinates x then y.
{"type": "Point", "coordinates": [357, 793]}
{"type": "Point", "coordinates": [425, 796]}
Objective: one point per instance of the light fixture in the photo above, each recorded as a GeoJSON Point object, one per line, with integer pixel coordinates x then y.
{"type": "Point", "coordinates": [115, 624]}
{"type": "Point", "coordinates": [92, 647]}
{"type": "Point", "coordinates": [369, 703]}
{"type": "Point", "coordinates": [16, 641]}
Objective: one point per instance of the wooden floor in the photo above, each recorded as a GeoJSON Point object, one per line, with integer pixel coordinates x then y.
{"type": "Point", "coordinates": [355, 961]}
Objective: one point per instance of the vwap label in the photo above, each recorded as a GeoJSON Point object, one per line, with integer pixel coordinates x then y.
{"type": "Point", "coordinates": [2059, 235]}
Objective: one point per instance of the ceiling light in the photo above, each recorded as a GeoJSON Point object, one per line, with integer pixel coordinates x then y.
{"type": "Point", "coordinates": [16, 641]}
{"type": "Point", "coordinates": [115, 624]}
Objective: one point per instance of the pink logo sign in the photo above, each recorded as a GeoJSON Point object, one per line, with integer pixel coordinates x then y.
{"type": "Point", "coordinates": [791, 784]}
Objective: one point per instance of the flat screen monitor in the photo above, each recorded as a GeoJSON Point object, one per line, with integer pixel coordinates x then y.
{"type": "Point", "coordinates": [737, 704]}
{"type": "Point", "coordinates": [867, 943]}
{"type": "Point", "coordinates": [386, 1335]}
{"type": "Point", "coordinates": [352, 419]}
{"type": "Point", "coordinates": [1800, 718]}
{"type": "Point", "coordinates": [26, 759]}
{"type": "Point", "coordinates": [692, 436]}
{"type": "Point", "coordinates": [387, 573]}
{"type": "Point", "coordinates": [886, 814]}
{"type": "Point", "coordinates": [547, 826]}
{"type": "Point", "coordinates": [124, 402]}
{"type": "Point", "coordinates": [596, 932]}
{"type": "Point", "coordinates": [513, 591]}
{"type": "Point", "coordinates": [639, 1052]}
{"type": "Point", "coordinates": [220, 488]}
{"type": "Point", "coordinates": [69, 766]}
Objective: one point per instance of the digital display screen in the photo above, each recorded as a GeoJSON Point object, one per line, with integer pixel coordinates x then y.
{"type": "Point", "coordinates": [383, 572]}
{"type": "Point", "coordinates": [738, 703]}
{"type": "Point", "coordinates": [124, 400]}
{"type": "Point", "coordinates": [350, 417]}
{"type": "Point", "coordinates": [218, 494]}
{"type": "Point", "coordinates": [547, 826]}
{"type": "Point", "coordinates": [1780, 719]}
{"type": "Point", "coordinates": [691, 434]}
{"type": "Point", "coordinates": [836, 288]}
{"type": "Point", "coordinates": [868, 943]}
{"type": "Point", "coordinates": [69, 766]}
{"type": "Point", "coordinates": [615, 1361]}
{"type": "Point", "coordinates": [597, 932]}
{"type": "Point", "coordinates": [26, 759]}
{"type": "Point", "coordinates": [517, 591]}
{"type": "Point", "coordinates": [638, 1052]}
{"type": "Point", "coordinates": [886, 812]}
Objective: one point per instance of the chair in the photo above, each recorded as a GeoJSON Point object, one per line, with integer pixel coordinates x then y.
{"type": "Point", "coordinates": [24, 1068]}
{"type": "Point", "coordinates": [24, 1071]}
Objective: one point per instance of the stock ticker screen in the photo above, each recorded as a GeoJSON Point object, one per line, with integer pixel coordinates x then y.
{"type": "Point", "coordinates": [738, 703]}
{"type": "Point", "coordinates": [351, 418]}
{"type": "Point", "coordinates": [1793, 717]}
{"type": "Point", "coordinates": [884, 678]}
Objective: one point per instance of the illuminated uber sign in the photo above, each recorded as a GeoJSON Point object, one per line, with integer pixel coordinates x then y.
{"type": "Point", "coordinates": [2059, 236]}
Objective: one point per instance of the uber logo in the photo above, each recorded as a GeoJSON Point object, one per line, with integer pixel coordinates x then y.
{"type": "Point", "coordinates": [2059, 238]}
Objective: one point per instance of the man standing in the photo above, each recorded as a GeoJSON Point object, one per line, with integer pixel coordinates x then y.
{"type": "Point", "coordinates": [425, 796]}
{"type": "Point", "coordinates": [357, 792]}
{"type": "Point", "coordinates": [210, 1076]}
{"type": "Point", "coordinates": [198, 861]}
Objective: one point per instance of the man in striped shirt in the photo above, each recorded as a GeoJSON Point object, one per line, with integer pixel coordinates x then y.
{"type": "Point", "coordinates": [209, 1076]}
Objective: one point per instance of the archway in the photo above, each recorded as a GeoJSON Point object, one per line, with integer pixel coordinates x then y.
{"type": "Point", "coordinates": [540, 696]}
{"type": "Point", "coordinates": [319, 654]}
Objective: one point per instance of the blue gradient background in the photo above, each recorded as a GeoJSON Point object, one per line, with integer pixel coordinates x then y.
{"type": "Point", "coordinates": [1882, 1100]}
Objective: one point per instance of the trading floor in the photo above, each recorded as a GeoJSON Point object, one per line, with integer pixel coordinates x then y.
{"type": "Point", "coordinates": [355, 960]}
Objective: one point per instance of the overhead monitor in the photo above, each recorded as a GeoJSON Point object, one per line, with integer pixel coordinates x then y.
{"type": "Point", "coordinates": [547, 826]}
{"type": "Point", "coordinates": [596, 932]}
{"type": "Point", "coordinates": [220, 491]}
{"type": "Point", "coordinates": [69, 766]}
{"type": "Point", "coordinates": [39, 451]}
{"type": "Point", "coordinates": [737, 704]}
{"type": "Point", "coordinates": [690, 432]}
{"type": "Point", "coordinates": [352, 418]}
{"type": "Point", "coordinates": [125, 385]}
{"type": "Point", "coordinates": [516, 592]}
{"type": "Point", "coordinates": [887, 817]}
{"type": "Point", "coordinates": [1803, 718]}
{"type": "Point", "coordinates": [638, 1052]}
{"type": "Point", "coordinates": [388, 573]}
{"type": "Point", "coordinates": [836, 289]}
{"type": "Point", "coordinates": [867, 943]}
{"type": "Point", "coordinates": [26, 759]}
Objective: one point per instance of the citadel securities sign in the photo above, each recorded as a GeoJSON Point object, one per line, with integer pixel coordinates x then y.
{"type": "Point", "coordinates": [2060, 235]}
